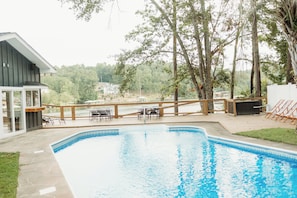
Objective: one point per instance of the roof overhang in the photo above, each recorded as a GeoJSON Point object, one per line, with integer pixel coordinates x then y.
{"type": "Point", "coordinates": [26, 50]}
{"type": "Point", "coordinates": [34, 85]}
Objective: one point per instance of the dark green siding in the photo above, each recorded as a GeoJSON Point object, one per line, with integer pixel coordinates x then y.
{"type": "Point", "coordinates": [33, 120]}
{"type": "Point", "coordinates": [15, 68]}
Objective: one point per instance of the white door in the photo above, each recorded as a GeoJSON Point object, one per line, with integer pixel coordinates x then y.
{"type": "Point", "coordinates": [12, 111]}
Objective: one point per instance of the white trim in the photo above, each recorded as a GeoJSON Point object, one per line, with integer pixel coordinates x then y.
{"type": "Point", "coordinates": [11, 99]}
{"type": "Point", "coordinates": [10, 91]}
{"type": "Point", "coordinates": [26, 50]}
{"type": "Point", "coordinates": [24, 111]}
{"type": "Point", "coordinates": [32, 99]}
{"type": "Point", "coordinates": [1, 116]}
{"type": "Point", "coordinates": [32, 87]}
{"type": "Point", "coordinates": [11, 88]}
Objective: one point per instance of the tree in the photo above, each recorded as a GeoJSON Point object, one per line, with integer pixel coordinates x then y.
{"type": "Point", "coordinates": [106, 73]}
{"type": "Point", "coordinates": [277, 65]}
{"type": "Point", "coordinates": [197, 51]}
{"type": "Point", "coordinates": [203, 20]}
{"type": "Point", "coordinates": [203, 31]}
{"type": "Point", "coordinates": [62, 89]}
{"type": "Point", "coordinates": [85, 79]}
{"type": "Point", "coordinates": [175, 58]}
{"type": "Point", "coordinates": [255, 74]}
{"type": "Point", "coordinates": [287, 18]}
{"type": "Point", "coordinates": [236, 43]}
{"type": "Point", "coordinates": [76, 83]}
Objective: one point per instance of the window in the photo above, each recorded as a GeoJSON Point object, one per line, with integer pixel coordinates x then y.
{"type": "Point", "coordinates": [32, 98]}
{"type": "Point", "coordinates": [12, 110]}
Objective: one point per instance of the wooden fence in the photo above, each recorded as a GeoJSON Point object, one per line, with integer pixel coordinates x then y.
{"type": "Point", "coordinates": [119, 110]}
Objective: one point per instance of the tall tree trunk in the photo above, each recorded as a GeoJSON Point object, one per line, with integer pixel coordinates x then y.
{"type": "Point", "coordinates": [208, 86]}
{"type": "Point", "coordinates": [199, 52]}
{"type": "Point", "coordinates": [255, 49]}
{"type": "Point", "coordinates": [293, 53]}
{"type": "Point", "coordinates": [292, 42]}
{"type": "Point", "coordinates": [235, 52]}
{"type": "Point", "coordinates": [232, 83]}
{"type": "Point", "coordinates": [182, 46]}
{"type": "Point", "coordinates": [289, 69]}
{"type": "Point", "coordinates": [174, 60]}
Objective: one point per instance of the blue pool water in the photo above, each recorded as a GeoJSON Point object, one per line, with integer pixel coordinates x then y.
{"type": "Point", "coordinates": [175, 162]}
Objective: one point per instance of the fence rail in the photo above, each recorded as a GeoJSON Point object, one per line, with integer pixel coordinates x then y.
{"type": "Point", "coordinates": [119, 110]}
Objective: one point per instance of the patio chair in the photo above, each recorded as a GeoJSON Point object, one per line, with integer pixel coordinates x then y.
{"type": "Point", "coordinates": [155, 111]}
{"type": "Point", "coordinates": [105, 113]}
{"type": "Point", "coordinates": [275, 108]}
{"type": "Point", "coordinates": [94, 115]}
{"type": "Point", "coordinates": [47, 120]}
{"type": "Point", "coordinates": [140, 113]}
{"type": "Point", "coordinates": [62, 121]}
{"type": "Point", "coordinates": [291, 113]}
{"type": "Point", "coordinates": [283, 108]}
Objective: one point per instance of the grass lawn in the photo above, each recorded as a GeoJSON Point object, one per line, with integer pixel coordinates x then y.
{"type": "Point", "coordinates": [287, 136]}
{"type": "Point", "coordinates": [9, 171]}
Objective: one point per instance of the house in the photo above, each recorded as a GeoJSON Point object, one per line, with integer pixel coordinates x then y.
{"type": "Point", "coordinates": [20, 70]}
{"type": "Point", "coordinates": [108, 88]}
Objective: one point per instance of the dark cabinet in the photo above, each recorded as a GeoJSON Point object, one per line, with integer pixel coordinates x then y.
{"type": "Point", "coordinates": [244, 107]}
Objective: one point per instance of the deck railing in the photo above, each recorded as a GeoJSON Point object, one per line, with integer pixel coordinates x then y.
{"type": "Point", "coordinates": [119, 110]}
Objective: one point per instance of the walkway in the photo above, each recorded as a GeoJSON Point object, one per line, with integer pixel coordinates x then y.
{"type": "Point", "coordinates": [40, 175]}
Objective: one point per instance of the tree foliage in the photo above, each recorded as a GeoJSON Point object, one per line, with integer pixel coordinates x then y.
{"type": "Point", "coordinates": [204, 30]}
{"type": "Point", "coordinates": [200, 46]}
{"type": "Point", "coordinates": [275, 65]}
{"type": "Point", "coordinates": [287, 18]}
{"type": "Point", "coordinates": [150, 80]}
{"type": "Point", "coordinates": [85, 8]}
{"type": "Point", "coordinates": [74, 84]}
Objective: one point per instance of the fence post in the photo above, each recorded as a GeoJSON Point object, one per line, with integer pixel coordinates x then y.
{"type": "Point", "coordinates": [161, 110]}
{"type": "Point", "coordinates": [234, 107]}
{"type": "Point", "coordinates": [73, 112]}
{"type": "Point", "coordinates": [205, 107]}
{"type": "Point", "coordinates": [61, 112]}
{"type": "Point", "coordinates": [116, 111]}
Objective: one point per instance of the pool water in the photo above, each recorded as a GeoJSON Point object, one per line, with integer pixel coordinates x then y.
{"type": "Point", "coordinates": [178, 163]}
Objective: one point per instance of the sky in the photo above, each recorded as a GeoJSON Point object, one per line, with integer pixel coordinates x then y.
{"type": "Point", "coordinates": [52, 29]}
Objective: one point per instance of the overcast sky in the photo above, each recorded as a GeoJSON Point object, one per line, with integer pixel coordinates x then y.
{"type": "Point", "coordinates": [55, 33]}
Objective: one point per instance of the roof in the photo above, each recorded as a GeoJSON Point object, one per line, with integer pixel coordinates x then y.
{"type": "Point", "coordinates": [26, 50]}
{"type": "Point", "coordinates": [30, 84]}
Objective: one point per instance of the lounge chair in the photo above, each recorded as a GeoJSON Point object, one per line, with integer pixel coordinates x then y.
{"type": "Point", "coordinates": [283, 108]}
{"type": "Point", "coordinates": [275, 108]}
{"type": "Point", "coordinates": [294, 118]}
{"type": "Point", "coordinates": [291, 114]}
{"type": "Point", "coordinates": [285, 111]}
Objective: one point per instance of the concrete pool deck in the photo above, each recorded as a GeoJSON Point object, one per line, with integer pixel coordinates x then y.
{"type": "Point", "coordinates": [41, 176]}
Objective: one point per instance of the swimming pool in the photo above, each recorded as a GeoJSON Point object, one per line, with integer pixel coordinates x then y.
{"type": "Point", "coordinates": [182, 161]}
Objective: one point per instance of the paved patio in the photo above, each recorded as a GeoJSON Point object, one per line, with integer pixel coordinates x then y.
{"type": "Point", "coordinates": [40, 175]}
